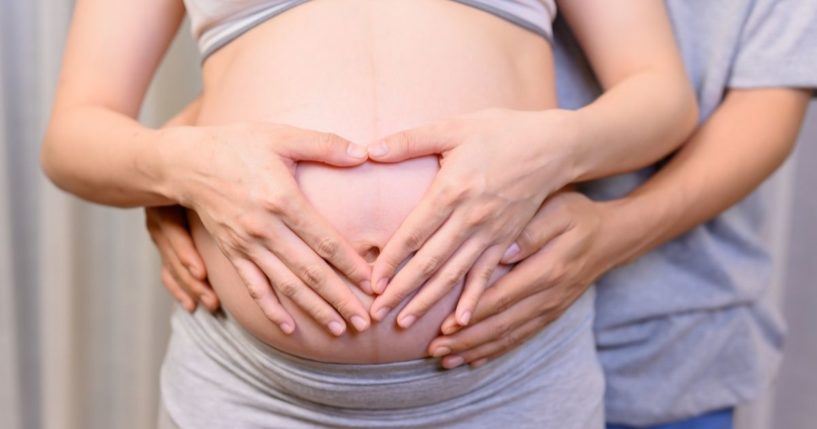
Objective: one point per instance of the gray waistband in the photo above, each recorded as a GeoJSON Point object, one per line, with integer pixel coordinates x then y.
{"type": "Point", "coordinates": [371, 386]}
{"type": "Point", "coordinates": [216, 375]}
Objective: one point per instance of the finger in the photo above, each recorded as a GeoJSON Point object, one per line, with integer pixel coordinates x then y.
{"type": "Point", "coordinates": [260, 290]}
{"type": "Point", "coordinates": [450, 325]}
{"type": "Point", "coordinates": [532, 275]}
{"type": "Point", "coordinates": [527, 278]}
{"type": "Point", "coordinates": [316, 232]}
{"type": "Point", "coordinates": [209, 298]}
{"type": "Point", "coordinates": [176, 291]}
{"type": "Point", "coordinates": [413, 143]}
{"type": "Point", "coordinates": [451, 274]}
{"type": "Point", "coordinates": [547, 224]}
{"type": "Point", "coordinates": [424, 264]}
{"type": "Point", "coordinates": [290, 286]}
{"type": "Point", "coordinates": [174, 227]}
{"type": "Point", "coordinates": [412, 234]}
{"type": "Point", "coordinates": [476, 282]}
{"type": "Point", "coordinates": [319, 277]}
{"type": "Point", "coordinates": [170, 270]}
{"type": "Point", "coordinates": [195, 287]}
{"type": "Point", "coordinates": [485, 331]}
{"type": "Point", "coordinates": [327, 148]}
{"type": "Point", "coordinates": [503, 345]}
{"type": "Point", "coordinates": [479, 362]}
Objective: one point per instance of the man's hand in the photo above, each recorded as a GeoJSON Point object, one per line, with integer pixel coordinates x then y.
{"type": "Point", "coordinates": [561, 252]}
{"type": "Point", "coordinates": [183, 271]}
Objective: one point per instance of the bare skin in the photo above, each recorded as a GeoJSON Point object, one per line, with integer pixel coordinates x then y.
{"type": "Point", "coordinates": [263, 210]}
{"type": "Point", "coordinates": [573, 240]}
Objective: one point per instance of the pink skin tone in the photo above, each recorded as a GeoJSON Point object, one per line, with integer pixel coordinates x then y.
{"type": "Point", "coordinates": [275, 246]}
{"type": "Point", "coordinates": [572, 240]}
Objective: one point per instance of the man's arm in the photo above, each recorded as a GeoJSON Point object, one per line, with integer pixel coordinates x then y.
{"type": "Point", "coordinates": [740, 145]}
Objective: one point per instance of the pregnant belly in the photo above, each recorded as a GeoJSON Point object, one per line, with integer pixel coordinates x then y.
{"type": "Point", "coordinates": [364, 72]}
{"type": "Point", "coordinates": [366, 205]}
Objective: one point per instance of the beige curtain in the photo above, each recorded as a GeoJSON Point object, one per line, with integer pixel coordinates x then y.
{"type": "Point", "coordinates": [83, 317]}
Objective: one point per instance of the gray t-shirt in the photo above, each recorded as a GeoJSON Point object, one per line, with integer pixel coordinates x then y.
{"type": "Point", "coordinates": [691, 327]}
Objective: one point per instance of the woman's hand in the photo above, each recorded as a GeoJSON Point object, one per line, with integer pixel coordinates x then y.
{"type": "Point", "coordinates": [562, 251]}
{"type": "Point", "coordinates": [183, 273]}
{"type": "Point", "coordinates": [497, 166]}
{"type": "Point", "coordinates": [240, 181]}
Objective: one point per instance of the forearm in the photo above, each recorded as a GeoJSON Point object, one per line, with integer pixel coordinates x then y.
{"type": "Point", "coordinates": [743, 142]}
{"type": "Point", "coordinates": [629, 127]}
{"type": "Point", "coordinates": [107, 157]}
{"type": "Point", "coordinates": [93, 146]}
{"type": "Point", "coordinates": [648, 107]}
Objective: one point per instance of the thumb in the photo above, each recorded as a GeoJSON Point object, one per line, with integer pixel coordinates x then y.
{"type": "Point", "coordinates": [327, 148]}
{"type": "Point", "coordinates": [413, 143]}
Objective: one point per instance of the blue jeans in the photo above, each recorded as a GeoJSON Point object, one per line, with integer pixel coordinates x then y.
{"type": "Point", "coordinates": [716, 420]}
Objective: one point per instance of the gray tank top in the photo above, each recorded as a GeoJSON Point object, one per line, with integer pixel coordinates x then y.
{"type": "Point", "coordinates": [215, 23]}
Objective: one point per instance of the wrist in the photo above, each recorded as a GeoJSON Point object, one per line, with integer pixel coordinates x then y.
{"type": "Point", "coordinates": [174, 155]}
{"type": "Point", "coordinates": [625, 231]}
{"type": "Point", "coordinates": [582, 126]}
{"type": "Point", "coordinates": [561, 132]}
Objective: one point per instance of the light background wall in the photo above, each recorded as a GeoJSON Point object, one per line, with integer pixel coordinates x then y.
{"type": "Point", "coordinates": [84, 319]}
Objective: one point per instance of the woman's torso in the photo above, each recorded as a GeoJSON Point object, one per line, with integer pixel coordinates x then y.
{"type": "Point", "coordinates": [364, 69]}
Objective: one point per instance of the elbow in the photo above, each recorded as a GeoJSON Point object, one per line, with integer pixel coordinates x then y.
{"type": "Point", "coordinates": [691, 113]}
{"type": "Point", "coordinates": [48, 159]}
{"type": "Point", "coordinates": [687, 111]}
{"type": "Point", "coordinates": [52, 162]}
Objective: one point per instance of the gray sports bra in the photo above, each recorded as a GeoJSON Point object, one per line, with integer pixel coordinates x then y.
{"type": "Point", "coordinates": [216, 23]}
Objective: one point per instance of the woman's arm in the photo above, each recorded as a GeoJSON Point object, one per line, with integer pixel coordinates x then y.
{"type": "Point", "coordinates": [94, 147]}
{"type": "Point", "coordinates": [237, 177]}
{"type": "Point", "coordinates": [743, 142]}
{"type": "Point", "coordinates": [183, 272]}
{"type": "Point", "coordinates": [648, 106]}
{"type": "Point", "coordinates": [498, 166]}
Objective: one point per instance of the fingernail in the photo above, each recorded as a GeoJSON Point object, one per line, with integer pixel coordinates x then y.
{"type": "Point", "coordinates": [381, 314]}
{"type": "Point", "coordinates": [378, 149]}
{"type": "Point", "coordinates": [381, 286]}
{"type": "Point", "coordinates": [286, 328]}
{"type": "Point", "coordinates": [407, 321]}
{"type": "Point", "coordinates": [336, 328]}
{"type": "Point", "coordinates": [356, 150]}
{"type": "Point", "coordinates": [359, 323]}
{"type": "Point", "coordinates": [450, 329]}
{"type": "Point", "coordinates": [464, 318]}
{"type": "Point", "coordinates": [441, 351]}
{"type": "Point", "coordinates": [512, 251]}
{"type": "Point", "coordinates": [453, 361]}
{"type": "Point", "coordinates": [479, 362]}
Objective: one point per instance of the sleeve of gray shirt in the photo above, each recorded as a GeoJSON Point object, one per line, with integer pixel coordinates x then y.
{"type": "Point", "coordinates": [778, 46]}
